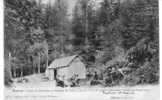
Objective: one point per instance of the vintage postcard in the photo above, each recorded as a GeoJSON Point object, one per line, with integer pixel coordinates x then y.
{"type": "Point", "coordinates": [81, 50]}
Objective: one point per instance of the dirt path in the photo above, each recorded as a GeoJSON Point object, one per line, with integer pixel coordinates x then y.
{"type": "Point", "coordinates": [37, 89]}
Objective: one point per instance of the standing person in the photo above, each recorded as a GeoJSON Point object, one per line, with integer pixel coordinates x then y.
{"type": "Point", "coordinates": [95, 76]}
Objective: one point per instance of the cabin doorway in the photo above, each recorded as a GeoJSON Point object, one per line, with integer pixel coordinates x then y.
{"type": "Point", "coordinates": [55, 74]}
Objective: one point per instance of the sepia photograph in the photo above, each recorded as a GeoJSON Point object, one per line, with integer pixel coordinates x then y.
{"type": "Point", "coordinates": [75, 44]}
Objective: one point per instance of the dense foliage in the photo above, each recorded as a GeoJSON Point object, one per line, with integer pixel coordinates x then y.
{"type": "Point", "coordinates": [119, 39]}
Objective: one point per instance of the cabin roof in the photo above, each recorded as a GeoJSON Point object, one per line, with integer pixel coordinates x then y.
{"type": "Point", "coordinates": [62, 62]}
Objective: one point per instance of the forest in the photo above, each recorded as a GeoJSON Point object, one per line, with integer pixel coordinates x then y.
{"type": "Point", "coordinates": [117, 38]}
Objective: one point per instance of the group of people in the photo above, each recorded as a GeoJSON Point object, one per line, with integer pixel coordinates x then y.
{"type": "Point", "coordinates": [62, 82]}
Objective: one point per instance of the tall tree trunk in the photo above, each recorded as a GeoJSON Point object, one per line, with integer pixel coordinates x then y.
{"type": "Point", "coordinates": [47, 58]}
{"type": "Point", "coordinates": [62, 44]}
{"type": "Point", "coordinates": [8, 66]}
{"type": "Point", "coordinates": [33, 65]}
{"type": "Point", "coordinates": [39, 63]}
{"type": "Point", "coordinates": [9, 56]}
{"type": "Point", "coordinates": [86, 24]}
{"type": "Point", "coordinates": [21, 71]}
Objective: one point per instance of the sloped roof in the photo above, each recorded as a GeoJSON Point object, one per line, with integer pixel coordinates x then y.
{"type": "Point", "coordinates": [62, 62]}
